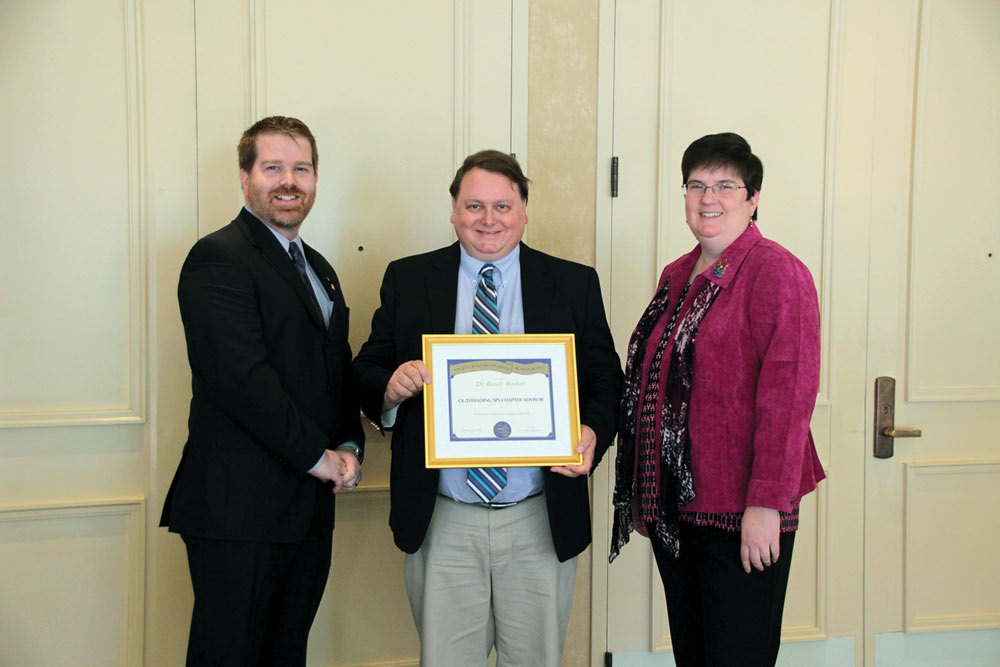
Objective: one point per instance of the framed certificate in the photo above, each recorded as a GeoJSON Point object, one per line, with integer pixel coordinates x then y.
{"type": "Point", "coordinates": [501, 400]}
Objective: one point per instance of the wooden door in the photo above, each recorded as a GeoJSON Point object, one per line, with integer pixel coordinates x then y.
{"type": "Point", "coordinates": [876, 126]}
{"type": "Point", "coordinates": [679, 71]}
{"type": "Point", "coordinates": [932, 533]}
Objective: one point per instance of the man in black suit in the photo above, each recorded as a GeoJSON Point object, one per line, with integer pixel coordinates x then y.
{"type": "Point", "coordinates": [274, 429]}
{"type": "Point", "coordinates": [487, 567]}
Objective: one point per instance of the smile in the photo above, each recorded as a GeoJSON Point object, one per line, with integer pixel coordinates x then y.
{"type": "Point", "coordinates": [710, 215]}
{"type": "Point", "coordinates": [286, 197]}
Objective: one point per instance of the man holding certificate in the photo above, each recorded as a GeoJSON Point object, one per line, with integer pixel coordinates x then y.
{"type": "Point", "coordinates": [491, 551]}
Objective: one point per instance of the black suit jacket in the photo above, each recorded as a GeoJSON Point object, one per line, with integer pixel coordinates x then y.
{"type": "Point", "coordinates": [418, 296]}
{"type": "Point", "coordinates": [271, 390]}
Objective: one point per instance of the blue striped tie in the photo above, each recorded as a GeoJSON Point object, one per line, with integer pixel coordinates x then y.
{"type": "Point", "coordinates": [486, 482]}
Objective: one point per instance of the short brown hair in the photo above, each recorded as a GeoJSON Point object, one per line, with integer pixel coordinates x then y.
{"type": "Point", "coordinates": [246, 150]}
{"type": "Point", "coordinates": [726, 150]}
{"type": "Point", "coordinates": [497, 162]}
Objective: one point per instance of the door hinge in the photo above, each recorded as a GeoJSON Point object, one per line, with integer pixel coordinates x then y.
{"type": "Point", "coordinates": [614, 177]}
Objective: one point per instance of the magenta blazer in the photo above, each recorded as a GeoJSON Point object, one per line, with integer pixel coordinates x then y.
{"type": "Point", "coordinates": [756, 376]}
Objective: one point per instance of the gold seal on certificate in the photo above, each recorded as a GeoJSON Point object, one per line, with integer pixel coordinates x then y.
{"type": "Point", "coordinates": [501, 400]}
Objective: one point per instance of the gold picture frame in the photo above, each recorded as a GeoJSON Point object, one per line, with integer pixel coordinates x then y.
{"type": "Point", "coordinates": [502, 400]}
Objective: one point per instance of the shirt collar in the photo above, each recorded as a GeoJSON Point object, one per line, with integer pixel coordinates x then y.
{"type": "Point", "coordinates": [282, 239]}
{"type": "Point", "coordinates": [728, 265]}
{"type": "Point", "coordinates": [470, 266]}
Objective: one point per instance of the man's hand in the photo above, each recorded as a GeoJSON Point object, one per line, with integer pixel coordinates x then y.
{"type": "Point", "coordinates": [352, 469]}
{"type": "Point", "coordinates": [406, 382]}
{"type": "Point", "coordinates": [588, 442]}
{"type": "Point", "coordinates": [332, 469]}
{"type": "Point", "coordinates": [759, 534]}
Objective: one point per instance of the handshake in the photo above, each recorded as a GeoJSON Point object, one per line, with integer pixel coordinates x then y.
{"type": "Point", "coordinates": [340, 466]}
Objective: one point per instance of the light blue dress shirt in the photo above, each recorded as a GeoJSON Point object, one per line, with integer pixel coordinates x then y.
{"type": "Point", "coordinates": [521, 482]}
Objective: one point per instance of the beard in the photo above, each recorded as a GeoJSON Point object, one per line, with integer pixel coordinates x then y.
{"type": "Point", "coordinates": [268, 209]}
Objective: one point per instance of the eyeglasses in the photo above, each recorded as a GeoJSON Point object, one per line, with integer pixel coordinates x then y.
{"type": "Point", "coordinates": [723, 189]}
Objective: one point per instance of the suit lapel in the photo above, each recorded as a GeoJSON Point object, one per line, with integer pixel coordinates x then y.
{"type": "Point", "coordinates": [330, 283]}
{"type": "Point", "coordinates": [537, 291]}
{"type": "Point", "coordinates": [262, 238]}
{"type": "Point", "coordinates": [442, 289]}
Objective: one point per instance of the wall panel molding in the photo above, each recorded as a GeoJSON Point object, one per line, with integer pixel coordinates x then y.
{"type": "Point", "coordinates": [256, 103]}
{"type": "Point", "coordinates": [482, 72]}
{"type": "Point", "coordinates": [950, 578]}
{"type": "Point", "coordinates": [833, 105]}
{"type": "Point", "coordinates": [664, 212]}
{"type": "Point", "coordinates": [519, 82]}
{"type": "Point", "coordinates": [461, 90]}
{"type": "Point", "coordinates": [949, 144]}
{"type": "Point", "coordinates": [134, 408]}
{"type": "Point", "coordinates": [132, 511]}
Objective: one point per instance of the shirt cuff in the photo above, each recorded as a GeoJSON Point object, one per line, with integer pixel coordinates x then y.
{"type": "Point", "coordinates": [353, 447]}
{"type": "Point", "coordinates": [318, 463]}
{"type": "Point", "coordinates": [775, 495]}
{"type": "Point", "coordinates": [389, 417]}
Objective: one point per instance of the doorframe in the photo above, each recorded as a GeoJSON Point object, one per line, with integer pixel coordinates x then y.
{"type": "Point", "coordinates": [840, 611]}
{"type": "Point", "coordinates": [603, 477]}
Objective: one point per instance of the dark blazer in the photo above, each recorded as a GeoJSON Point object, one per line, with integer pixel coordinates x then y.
{"type": "Point", "coordinates": [271, 390]}
{"type": "Point", "coordinates": [418, 296]}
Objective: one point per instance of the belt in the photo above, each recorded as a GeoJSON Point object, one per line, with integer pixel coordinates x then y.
{"type": "Point", "coordinates": [502, 506]}
{"type": "Point", "coordinates": [495, 506]}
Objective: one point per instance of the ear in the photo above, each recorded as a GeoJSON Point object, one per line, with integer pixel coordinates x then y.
{"type": "Point", "coordinates": [244, 181]}
{"type": "Point", "coordinates": [454, 211]}
{"type": "Point", "coordinates": [753, 201]}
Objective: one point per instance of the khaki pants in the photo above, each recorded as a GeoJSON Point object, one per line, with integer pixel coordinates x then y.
{"type": "Point", "coordinates": [490, 577]}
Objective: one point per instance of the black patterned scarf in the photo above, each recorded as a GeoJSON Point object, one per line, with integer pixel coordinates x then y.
{"type": "Point", "coordinates": [663, 482]}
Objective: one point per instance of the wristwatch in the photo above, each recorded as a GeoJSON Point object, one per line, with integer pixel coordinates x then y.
{"type": "Point", "coordinates": [359, 453]}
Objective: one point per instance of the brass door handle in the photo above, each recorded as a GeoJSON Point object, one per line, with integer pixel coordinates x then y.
{"type": "Point", "coordinates": [885, 416]}
{"type": "Point", "coordinates": [901, 432]}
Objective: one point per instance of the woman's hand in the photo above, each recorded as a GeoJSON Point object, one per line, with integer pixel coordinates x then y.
{"type": "Point", "coordinates": [759, 534]}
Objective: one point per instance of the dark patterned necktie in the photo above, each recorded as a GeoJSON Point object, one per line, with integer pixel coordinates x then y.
{"type": "Point", "coordinates": [486, 482]}
{"type": "Point", "coordinates": [300, 264]}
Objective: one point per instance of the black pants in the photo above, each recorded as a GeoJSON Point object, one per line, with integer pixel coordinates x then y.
{"type": "Point", "coordinates": [255, 602]}
{"type": "Point", "coordinates": [720, 615]}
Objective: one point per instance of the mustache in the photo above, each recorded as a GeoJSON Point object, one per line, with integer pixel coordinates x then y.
{"type": "Point", "coordinates": [288, 191]}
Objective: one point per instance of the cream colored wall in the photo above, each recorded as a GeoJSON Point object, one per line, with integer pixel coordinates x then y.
{"type": "Point", "coordinates": [562, 126]}
{"type": "Point", "coordinates": [562, 141]}
{"type": "Point", "coordinates": [116, 162]}
{"type": "Point", "coordinates": [74, 334]}
{"type": "Point", "coordinates": [109, 173]}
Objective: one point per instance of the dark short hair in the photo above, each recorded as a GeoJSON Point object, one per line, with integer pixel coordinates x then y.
{"type": "Point", "coordinates": [497, 162]}
{"type": "Point", "coordinates": [246, 150]}
{"type": "Point", "coordinates": [726, 150]}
